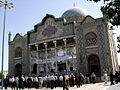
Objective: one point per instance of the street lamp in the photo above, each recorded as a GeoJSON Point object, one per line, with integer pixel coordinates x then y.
{"type": "Point", "coordinates": [6, 5]}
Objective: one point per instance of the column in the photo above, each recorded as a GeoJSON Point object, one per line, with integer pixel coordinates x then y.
{"type": "Point", "coordinates": [56, 68]}
{"type": "Point", "coordinates": [46, 57]}
{"type": "Point", "coordinates": [37, 58]}
{"type": "Point", "coordinates": [65, 43]}
{"type": "Point", "coordinates": [74, 68]}
{"type": "Point", "coordinates": [30, 65]}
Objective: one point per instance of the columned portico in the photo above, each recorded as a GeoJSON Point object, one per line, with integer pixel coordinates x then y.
{"type": "Point", "coordinates": [65, 44]}
{"type": "Point", "coordinates": [46, 57]}
{"type": "Point", "coordinates": [55, 56]}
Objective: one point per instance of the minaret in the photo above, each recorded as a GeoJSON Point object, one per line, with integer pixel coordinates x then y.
{"type": "Point", "coordinates": [9, 37]}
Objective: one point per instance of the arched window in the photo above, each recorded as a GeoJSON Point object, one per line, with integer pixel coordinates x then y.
{"type": "Point", "coordinates": [18, 52]}
{"type": "Point", "coordinates": [90, 39]}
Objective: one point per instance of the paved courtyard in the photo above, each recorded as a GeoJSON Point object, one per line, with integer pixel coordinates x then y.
{"type": "Point", "coordinates": [96, 86]}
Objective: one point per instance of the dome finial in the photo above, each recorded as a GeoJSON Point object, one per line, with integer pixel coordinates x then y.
{"type": "Point", "coordinates": [73, 4]}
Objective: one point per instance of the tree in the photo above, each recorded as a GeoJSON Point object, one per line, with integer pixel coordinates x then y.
{"type": "Point", "coordinates": [98, 0]}
{"type": "Point", "coordinates": [111, 11]}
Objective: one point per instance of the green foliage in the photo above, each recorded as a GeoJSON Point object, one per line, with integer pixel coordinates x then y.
{"type": "Point", "coordinates": [98, 0]}
{"type": "Point", "coordinates": [111, 11]}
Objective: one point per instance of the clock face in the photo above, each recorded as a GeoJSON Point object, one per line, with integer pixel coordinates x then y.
{"type": "Point", "coordinates": [49, 31]}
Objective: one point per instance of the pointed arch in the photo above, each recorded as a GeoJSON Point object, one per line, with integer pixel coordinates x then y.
{"type": "Point", "coordinates": [90, 39]}
{"type": "Point", "coordinates": [18, 52]}
{"type": "Point", "coordinates": [93, 62]}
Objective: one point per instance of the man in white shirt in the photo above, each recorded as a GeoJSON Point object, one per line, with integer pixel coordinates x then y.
{"type": "Point", "coordinates": [61, 80]}
{"type": "Point", "coordinates": [105, 77]}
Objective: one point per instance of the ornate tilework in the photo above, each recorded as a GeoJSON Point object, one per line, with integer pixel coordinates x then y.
{"type": "Point", "coordinates": [50, 30]}
{"type": "Point", "coordinates": [108, 48]}
{"type": "Point", "coordinates": [56, 30]}
{"type": "Point", "coordinates": [102, 48]}
{"type": "Point", "coordinates": [91, 39]}
{"type": "Point", "coordinates": [81, 50]}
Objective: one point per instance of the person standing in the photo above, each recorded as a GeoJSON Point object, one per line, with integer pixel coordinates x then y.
{"type": "Point", "coordinates": [79, 80]}
{"type": "Point", "coordinates": [61, 80]}
{"type": "Point", "coordinates": [40, 80]}
{"type": "Point", "coordinates": [13, 83]}
{"type": "Point", "coordinates": [87, 78]}
{"type": "Point", "coordinates": [72, 80]}
{"type": "Point", "coordinates": [52, 81]}
{"type": "Point", "coordinates": [93, 77]}
{"type": "Point", "coordinates": [55, 81]}
{"type": "Point", "coordinates": [116, 77]}
{"type": "Point", "coordinates": [119, 77]}
{"type": "Point", "coordinates": [36, 85]}
{"type": "Point", "coordinates": [20, 82]}
{"type": "Point", "coordinates": [105, 77]}
{"type": "Point", "coordinates": [17, 82]}
{"type": "Point", "coordinates": [29, 81]}
{"type": "Point", "coordinates": [64, 83]}
{"type": "Point", "coordinates": [5, 83]}
{"type": "Point", "coordinates": [111, 78]}
{"type": "Point", "coordinates": [76, 80]}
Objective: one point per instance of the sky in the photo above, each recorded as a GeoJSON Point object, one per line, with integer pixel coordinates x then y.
{"type": "Point", "coordinates": [27, 13]}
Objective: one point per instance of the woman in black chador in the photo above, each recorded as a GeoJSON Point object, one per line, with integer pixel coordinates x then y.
{"type": "Point", "coordinates": [20, 82]}
{"type": "Point", "coordinates": [111, 78]}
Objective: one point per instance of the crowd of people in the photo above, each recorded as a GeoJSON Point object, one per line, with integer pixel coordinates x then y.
{"type": "Point", "coordinates": [113, 77]}
{"type": "Point", "coordinates": [53, 81]}
{"type": "Point", "coordinates": [48, 81]}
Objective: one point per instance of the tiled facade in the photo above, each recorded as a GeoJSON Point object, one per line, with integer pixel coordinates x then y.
{"type": "Point", "coordinates": [56, 34]}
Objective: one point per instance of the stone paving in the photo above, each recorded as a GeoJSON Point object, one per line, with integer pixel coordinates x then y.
{"type": "Point", "coordinates": [113, 87]}
{"type": "Point", "coordinates": [96, 86]}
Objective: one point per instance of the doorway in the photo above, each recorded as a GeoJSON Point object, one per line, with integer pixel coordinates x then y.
{"type": "Point", "coordinates": [61, 67]}
{"type": "Point", "coordinates": [18, 70]}
{"type": "Point", "coordinates": [94, 65]}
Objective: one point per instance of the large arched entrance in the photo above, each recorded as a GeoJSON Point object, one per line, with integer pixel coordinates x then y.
{"type": "Point", "coordinates": [94, 64]}
{"type": "Point", "coordinates": [18, 69]}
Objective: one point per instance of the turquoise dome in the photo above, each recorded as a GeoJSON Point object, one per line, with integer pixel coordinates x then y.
{"type": "Point", "coordinates": [75, 11]}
